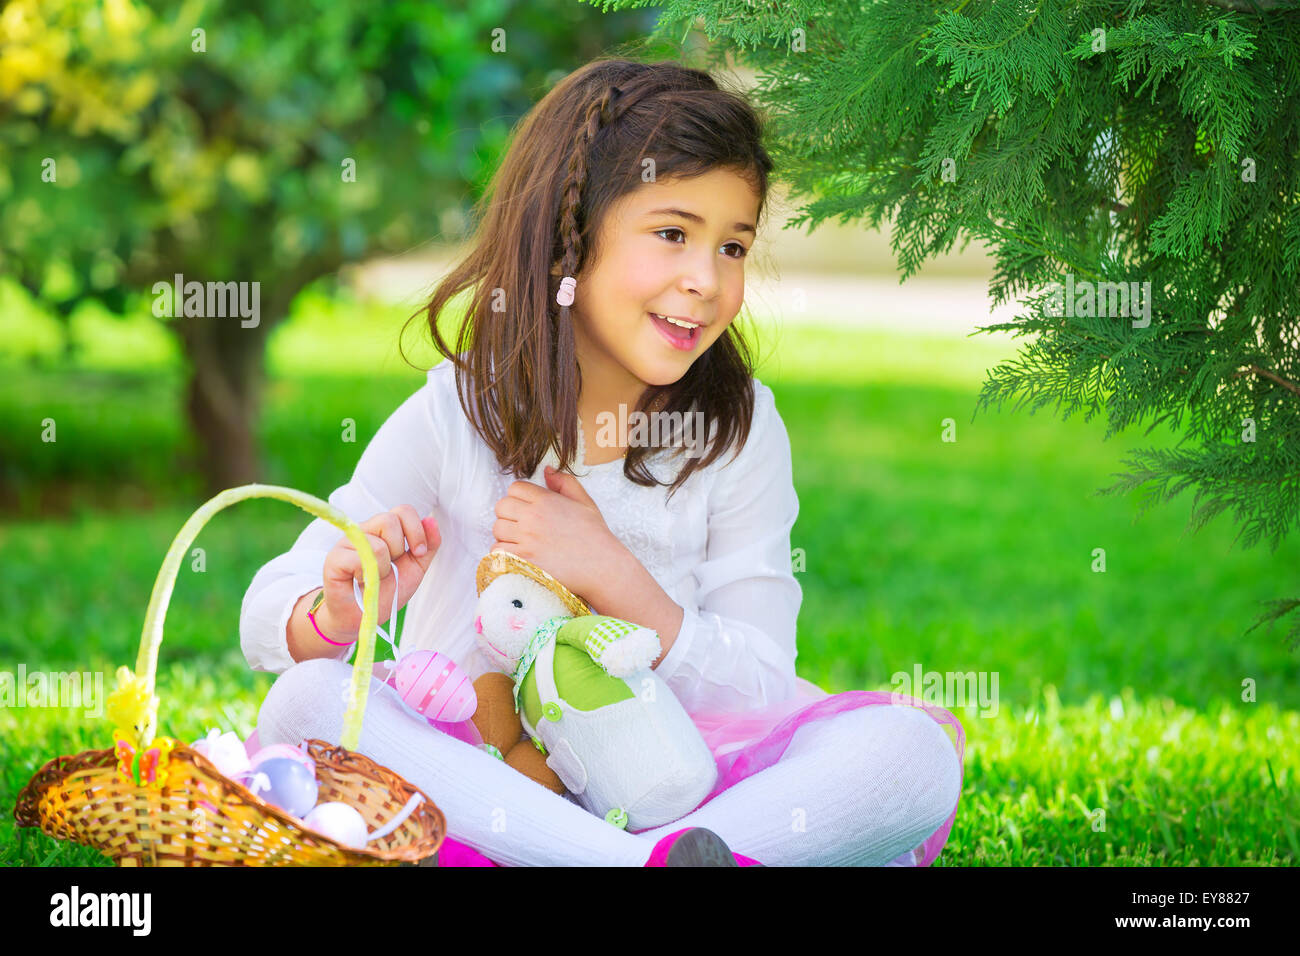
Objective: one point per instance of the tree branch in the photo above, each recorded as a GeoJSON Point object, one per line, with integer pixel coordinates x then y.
{"type": "Point", "coordinates": [1267, 374]}
{"type": "Point", "coordinates": [1250, 368]}
{"type": "Point", "coordinates": [1252, 6]}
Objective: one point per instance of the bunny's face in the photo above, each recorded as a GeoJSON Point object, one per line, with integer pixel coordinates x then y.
{"type": "Point", "coordinates": [510, 610]}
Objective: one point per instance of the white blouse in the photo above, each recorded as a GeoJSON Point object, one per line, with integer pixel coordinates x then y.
{"type": "Point", "coordinates": [720, 548]}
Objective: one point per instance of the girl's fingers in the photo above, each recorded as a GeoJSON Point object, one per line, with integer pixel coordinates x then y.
{"type": "Point", "coordinates": [420, 562]}
{"type": "Point", "coordinates": [383, 557]}
{"type": "Point", "coordinates": [411, 568]}
{"type": "Point", "coordinates": [400, 528]}
{"type": "Point", "coordinates": [505, 529]}
{"type": "Point", "coordinates": [344, 574]}
{"type": "Point", "coordinates": [346, 563]}
{"type": "Point", "coordinates": [388, 527]}
{"type": "Point", "coordinates": [413, 529]}
{"type": "Point", "coordinates": [509, 508]}
{"type": "Point", "coordinates": [388, 535]}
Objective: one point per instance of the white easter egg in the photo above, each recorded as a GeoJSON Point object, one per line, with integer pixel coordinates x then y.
{"type": "Point", "coordinates": [338, 821]}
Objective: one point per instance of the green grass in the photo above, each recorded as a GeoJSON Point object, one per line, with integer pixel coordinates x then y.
{"type": "Point", "coordinates": [1119, 691]}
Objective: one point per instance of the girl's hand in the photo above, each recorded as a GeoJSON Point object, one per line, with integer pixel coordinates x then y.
{"type": "Point", "coordinates": [339, 617]}
{"type": "Point", "coordinates": [560, 530]}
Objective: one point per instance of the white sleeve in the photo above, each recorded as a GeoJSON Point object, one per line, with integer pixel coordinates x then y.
{"type": "Point", "coordinates": [400, 465]}
{"type": "Point", "coordinates": [737, 652]}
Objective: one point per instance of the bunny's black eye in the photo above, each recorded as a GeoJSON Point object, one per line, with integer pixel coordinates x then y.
{"type": "Point", "coordinates": [517, 603]}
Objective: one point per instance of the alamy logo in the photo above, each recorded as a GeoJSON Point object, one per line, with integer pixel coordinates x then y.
{"type": "Point", "coordinates": [102, 909]}
{"type": "Point", "coordinates": [214, 300]}
{"type": "Point", "coordinates": [637, 429]}
{"type": "Point", "coordinates": [1122, 299]}
{"type": "Point", "coordinates": [53, 689]}
{"type": "Point", "coordinates": [948, 688]}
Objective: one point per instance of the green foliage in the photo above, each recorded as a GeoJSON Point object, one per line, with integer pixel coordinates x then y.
{"type": "Point", "coordinates": [211, 139]}
{"type": "Point", "coordinates": [264, 145]}
{"type": "Point", "coordinates": [1084, 141]}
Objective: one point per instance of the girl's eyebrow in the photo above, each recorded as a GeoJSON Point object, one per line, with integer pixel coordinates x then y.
{"type": "Point", "coordinates": [692, 217]}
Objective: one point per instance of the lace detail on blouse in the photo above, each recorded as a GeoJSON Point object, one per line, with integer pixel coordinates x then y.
{"type": "Point", "coordinates": [636, 515]}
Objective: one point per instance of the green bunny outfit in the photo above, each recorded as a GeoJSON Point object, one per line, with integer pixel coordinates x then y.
{"type": "Point", "coordinates": [624, 747]}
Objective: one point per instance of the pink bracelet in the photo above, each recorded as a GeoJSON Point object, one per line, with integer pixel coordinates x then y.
{"type": "Point", "coordinates": [311, 616]}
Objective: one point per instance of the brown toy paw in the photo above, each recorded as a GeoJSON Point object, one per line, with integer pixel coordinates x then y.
{"type": "Point", "coordinates": [495, 717]}
{"type": "Point", "coordinates": [531, 762]}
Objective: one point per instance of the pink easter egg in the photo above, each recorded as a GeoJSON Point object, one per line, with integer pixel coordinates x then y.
{"type": "Point", "coordinates": [430, 682]}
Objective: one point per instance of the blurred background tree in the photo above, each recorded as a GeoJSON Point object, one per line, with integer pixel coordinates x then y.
{"type": "Point", "coordinates": [216, 141]}
{"type": "Point", "coordinates": [1084, 141]}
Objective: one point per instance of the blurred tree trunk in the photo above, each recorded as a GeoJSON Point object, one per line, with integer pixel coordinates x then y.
{"type": "Point", "coordinates": [227, 375]}
{"type": "Point", "coordinates": [223, 397]}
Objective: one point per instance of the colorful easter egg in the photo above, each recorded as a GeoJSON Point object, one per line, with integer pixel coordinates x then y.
{"type": "Point", "coordinates": [430, 682]}
{"type": "Point", "coordinates": [286, 783]}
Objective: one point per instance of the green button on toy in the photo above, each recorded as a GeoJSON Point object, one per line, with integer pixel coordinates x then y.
{"type": "Point", "coordinates": [618, 817]}
{"type": "Point", "coordinates": [552, 711]}
{"type": "Point", "coordinates": [537, 742]}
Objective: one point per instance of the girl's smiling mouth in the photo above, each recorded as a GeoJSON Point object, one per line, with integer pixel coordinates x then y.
{"type": "Point", "coordinates": [676, 336]}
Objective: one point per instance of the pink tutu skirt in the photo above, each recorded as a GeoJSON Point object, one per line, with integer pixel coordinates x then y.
{"type": "Point", "coordinates": [745, 743]}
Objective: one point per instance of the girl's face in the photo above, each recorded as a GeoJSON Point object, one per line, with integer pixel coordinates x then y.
{"type": "Point", "coordinates": [673, 247]}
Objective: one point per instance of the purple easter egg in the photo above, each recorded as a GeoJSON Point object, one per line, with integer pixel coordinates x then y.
{"type": "Point", "coordinates": [272, 751]}
{"type": "Point", "coordinates": [286, 783]}
{"type": "Point", "coordinates": [431, 683]}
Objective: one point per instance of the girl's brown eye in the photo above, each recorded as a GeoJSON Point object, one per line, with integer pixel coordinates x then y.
{"type": "Point", "coordinates": [740, 255]}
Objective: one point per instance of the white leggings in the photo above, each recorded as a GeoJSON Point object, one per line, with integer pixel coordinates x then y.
{"type": "Point", "coordinates": [861, 788]}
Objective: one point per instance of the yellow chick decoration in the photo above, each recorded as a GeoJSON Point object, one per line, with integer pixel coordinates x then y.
{"type": "Point", "coordinates": [133, 712]}
{"type": "Point", "coordinates": [131, 708]}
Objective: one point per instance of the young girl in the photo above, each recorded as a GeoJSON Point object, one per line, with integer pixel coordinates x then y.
{"type": "Point", "coordinates": [605, 274]}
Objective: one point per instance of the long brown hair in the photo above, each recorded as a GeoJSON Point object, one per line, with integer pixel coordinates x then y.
{"type": "Point", "coordinates": [573, 155]}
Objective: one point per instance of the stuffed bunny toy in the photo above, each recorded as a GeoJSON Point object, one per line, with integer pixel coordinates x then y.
{"type": "Point", "coordinates": [610, 728]}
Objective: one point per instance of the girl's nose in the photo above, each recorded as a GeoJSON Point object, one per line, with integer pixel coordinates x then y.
{"type": "Point", "coordinates": [478, 623]}
{"type": "Point", "coordinates": [516, 623]}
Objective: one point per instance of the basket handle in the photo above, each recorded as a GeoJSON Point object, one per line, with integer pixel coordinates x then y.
{"type": "Point", "coordinates": [147, 661]}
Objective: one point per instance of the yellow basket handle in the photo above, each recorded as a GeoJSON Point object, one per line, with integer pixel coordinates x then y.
{"type": "Point", "coordinates": [147, 661]}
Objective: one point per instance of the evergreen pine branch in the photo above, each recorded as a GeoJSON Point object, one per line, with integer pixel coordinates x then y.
{"type": "Point", "coordinates": [1253, 6]}
{"type": "Point", "coordinates": [1278, 608]}
{"type": "Point", "coordinates": [1147, 141]}
{"type": "Point", "coordinates": [1263, 495]}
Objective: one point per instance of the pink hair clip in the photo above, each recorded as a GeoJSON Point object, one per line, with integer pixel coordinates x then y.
{"type": "Point", "coordinates": [565, 295]}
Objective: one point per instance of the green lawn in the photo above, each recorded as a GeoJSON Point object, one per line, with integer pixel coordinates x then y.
{"type": "Point", "coordinates": [1118, 691]}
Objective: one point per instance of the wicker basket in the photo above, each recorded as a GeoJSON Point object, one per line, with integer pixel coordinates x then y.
{"type": "Point", "coordinates": [156, 802]}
